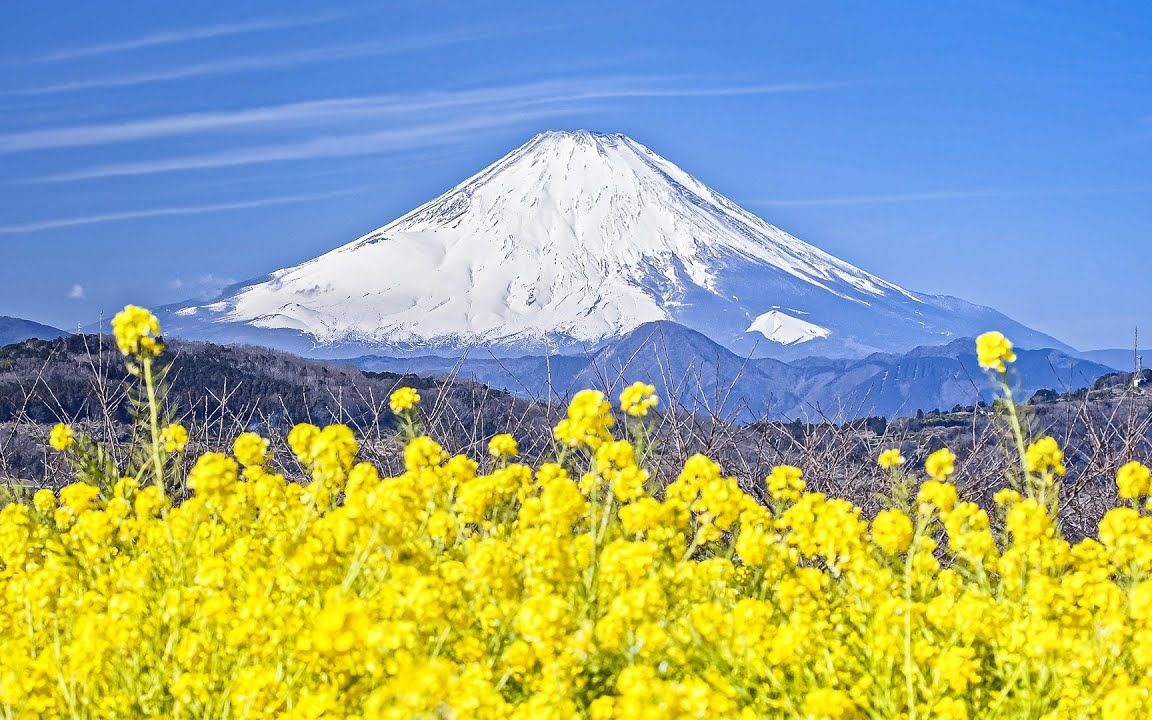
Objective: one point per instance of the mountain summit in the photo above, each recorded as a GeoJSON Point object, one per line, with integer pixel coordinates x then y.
{"type": "Point", "coordinates": [573, 239]}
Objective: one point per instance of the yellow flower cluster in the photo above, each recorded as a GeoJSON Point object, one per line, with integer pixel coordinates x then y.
{"type": "Point", "coordinates": [638, 398]}
{"type": "Point", "coordinates": [1045, 456]}
{"type": "Point", "coordinates": [568, 590]}
{"type": "Point", "coordinates": [892, 531]}
{"type": "Point", "coordinates": [891, 459]}
{"type": "Point", "coordinates": [786, 483]}
{"type": "Point", "coordinates": [941, 464]}
{"type": "Point", "coordinates": [993, 350]}
{"type": "Point", "coordinates": [174, 438]}
{"type": "Point", "coordinates": [137, 332]}
{"type": "Point", "coordinates": [588, 423]}
{"type": "Point", "coordinates": [403, 399]}
{"type": "Point", "coordinates": [250, 449]}
{"type": "Point", "coordinates": [503, 446]}
{"type": "Point", "coordinates": [61, 437]}
{"type": "Point", "coordinates": [575, 589]}
{"type": "Point", "coordinates": [1134, 481]}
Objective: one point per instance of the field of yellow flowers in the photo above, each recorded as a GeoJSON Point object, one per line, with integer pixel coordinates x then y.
{"type": "Point", "coordinates": [574, 589]}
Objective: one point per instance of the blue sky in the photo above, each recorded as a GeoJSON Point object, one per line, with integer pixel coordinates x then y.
{"type": "Point", "coordinates": [998, 151]}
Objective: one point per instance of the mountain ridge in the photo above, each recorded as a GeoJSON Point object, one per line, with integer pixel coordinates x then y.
{"type": "Point", "coordinates": [697, 374]}
{"type": "Point", "coordinates": [14, 330]}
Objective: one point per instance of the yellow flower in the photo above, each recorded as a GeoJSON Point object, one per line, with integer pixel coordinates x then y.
{"type": "Point", "coordinates": [174, 438]}
{"type": "Point", "coordinates": [79, 496]}
{"type": "Point", "coordinates": [61, 437]}
{"type": "Point", "coordinates": [503, 446]}
{"type": "Point", "coordinates": [1126, 703]}
{"type": "Point", "coordinates": [1028, 521]}
{"type": "Point", "coordinates": [1045, 455]}
{"type": "Point", "coordinates": [137, 332]}
{"type": "Point", "coordinates": [892, 531]}
{"type": "Point", "coordinates": [44, 501]}
{"type": "Point", "coordinates": [1133, 481]}
{"type": "Point", "coordinates": [403, 399]}
{"type": "Point", "coordinates": [301, 439]}
{"type": "Point", "coordinates": [891, 459]}
{"type": "Point", "coordinates": [638, 398]}
{"type": "Point", "coordinates": [786, 482]}
{"type": "Point", "coordinates": [993, 350]}
{"type": "Point", "coordinates": [250, 449]}
{"type": "Point", "coordinates": [958, 668]}
{"type": "Point", "coordinates": [213, 474]}
{"type": "Point", "coordinates": [941, 494]}
{"type": "Point", "coordinates": [333, 452]}
{"type": "Point", "coordinates": [589, 418]}
{"type": "Point", "coordinates": [941, 464]}
{"type": "Point", "coordinates": [1006, 497]}
{"type": "Point", "coordinates": [560, 591]}
{"type": "Point", "coordinates": [950, 709]}
{"type": "Point", "coordinates": [423, 452]}
{"type": "Point", "coordinates": [827, 704]}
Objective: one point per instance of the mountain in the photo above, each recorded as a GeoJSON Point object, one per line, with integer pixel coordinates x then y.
{"type": "Point", "coordinates": [704, 377]}
{"type": "Point", "coordinates": [696, 373]}
{"type": "Point", "coordinates": [568, 242]}
{"type": "Point", "coordinates": [14, 330]}
{"type": "Point", "coordinates": [684, 365]}
{"type": "Point", "coordinates": [928, 378]}
{"type": "Point", "coordinates": [1118, 358]}
{"type": "Point", "coordinates": [223, 390]}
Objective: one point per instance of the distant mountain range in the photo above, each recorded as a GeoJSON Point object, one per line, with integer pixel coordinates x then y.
{"type": "Point", "coordinates": [14, 330]}
{"type": "Point", "coordinates": [587, 260]}
{"type": "Point", "coordinates": [1119, 358]}
{"type": "Point", "coordinates": [564, 246]}
{"type": "Point", "coordinates": [703, 376]}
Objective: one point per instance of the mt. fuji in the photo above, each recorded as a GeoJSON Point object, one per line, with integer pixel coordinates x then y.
{"type": "Point", "coordinates": [571, 240]}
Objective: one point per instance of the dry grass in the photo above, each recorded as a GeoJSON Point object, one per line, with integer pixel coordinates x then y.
{"type": "Point", "coordinates": [1099, 430]}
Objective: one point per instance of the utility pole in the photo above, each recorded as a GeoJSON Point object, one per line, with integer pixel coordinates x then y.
{"type": "Point", "coordinates": [1136, 359]}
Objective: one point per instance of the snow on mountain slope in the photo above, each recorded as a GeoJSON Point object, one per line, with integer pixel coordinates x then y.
{"type": "Point", "coordinates": [570, 240]}
{"type": "Point", "coordinates": [786, 329]}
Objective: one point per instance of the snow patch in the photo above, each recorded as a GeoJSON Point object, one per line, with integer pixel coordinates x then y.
{"type": "Point", "coordinates": [786, 329]}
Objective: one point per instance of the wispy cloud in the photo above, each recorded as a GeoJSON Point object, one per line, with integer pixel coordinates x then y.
{"type": "Point", "coordinates": [318, 111]}
{"type": "Point", "coordinates": [733, 90]}
{"type": "Point", "coordinates": [396, 46]}
{"type": "Point", "coordinates": [338, 109]}
{"type": "Point", "coordinates": [407, 139]}
{"type": "Point", "coordinates": [76, 292]}
{"type": "Point", "coordinates": [417, 121]}
{"type": "Point", "coordinates": [67, 222]}
{"type": "Point", "coordinates": [180, 35]}
{"type": "Point", "coordinates": [910, 197]}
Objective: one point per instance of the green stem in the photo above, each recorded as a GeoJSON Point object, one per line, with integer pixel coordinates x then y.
{"type": "Point", "coordinates": [1017, 432]}
{"type": "Point", "coordinates": [154, 418]}
{"type": "Point", "coordinates": [909, 685]}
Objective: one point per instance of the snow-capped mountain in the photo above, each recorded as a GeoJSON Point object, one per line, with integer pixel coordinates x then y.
{"type": "Point", "coordinates": [571, 240]}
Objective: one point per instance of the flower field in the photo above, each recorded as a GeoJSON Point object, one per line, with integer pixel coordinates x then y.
{"type": "Point", "coordinates": [484, 588]}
